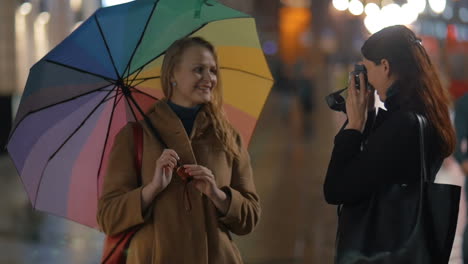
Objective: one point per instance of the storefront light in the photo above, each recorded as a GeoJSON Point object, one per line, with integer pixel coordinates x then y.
{"type": "Point", "coordinates": [76, 5]}
{"type": "Point", "coordinates": [371, 9]}
{"type": "Point", "coordinates": [391, 15]}
{"type": "Point", "coordinates": [437, 6]}
{"type": "Point", "coordinates": [408, 14]}
{"type": "Point", "coordinates": [356, 7]}
{"type": "Point", "coordinates": [43, 18]}
{"type": "Point", "coordinates": [114, 2]}
{"type": "Point", "coordinates": [341, 5]}
{"type": "Point", "coordinates": [25, 8]}
{"type": "Point", "coordinates": [418, 5]}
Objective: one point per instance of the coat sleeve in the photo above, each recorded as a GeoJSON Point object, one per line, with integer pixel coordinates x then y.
{"type": "Point", "coordinates": [120, 205]}
{"type": "Point", "coordinates": [244, 210]}
{"type": "Point", "coordinates": [391, 153]}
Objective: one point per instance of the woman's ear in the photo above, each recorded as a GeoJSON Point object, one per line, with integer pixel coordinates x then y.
{"type": "Point", "coordinates": [386, 66]}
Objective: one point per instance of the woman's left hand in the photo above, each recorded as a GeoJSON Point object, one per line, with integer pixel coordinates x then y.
{"type": "Point", "coordinates": [203, 178]}
{"type": "Point", "coordinates": [204, 181]}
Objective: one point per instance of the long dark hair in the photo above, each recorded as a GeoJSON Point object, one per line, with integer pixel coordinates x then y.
{"type": "Point", "coordinates": [420, 83]}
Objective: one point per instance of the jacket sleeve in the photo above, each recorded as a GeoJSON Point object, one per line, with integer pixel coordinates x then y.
{"type": "Point", "coordinates": [120, 205]}
{"type": "Point", "coordinates": [391, 153]}
{"type": "Point", "coordinates": [244, 210]}
{"type": "Point", "coordinates": [461, 128]}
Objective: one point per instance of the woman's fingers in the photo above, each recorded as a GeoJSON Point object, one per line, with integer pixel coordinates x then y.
{"type": "Point", "coordinates": [172, 153]}
{"type": "Point", "coordinates": [362, 86]}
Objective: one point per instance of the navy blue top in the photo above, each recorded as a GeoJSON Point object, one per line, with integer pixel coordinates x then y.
{"type": "Point", "coordinates": [186, 114]}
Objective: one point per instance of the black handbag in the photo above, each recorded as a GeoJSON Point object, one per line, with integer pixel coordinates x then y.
{"type": "Point", "coordinates": [413, 223]}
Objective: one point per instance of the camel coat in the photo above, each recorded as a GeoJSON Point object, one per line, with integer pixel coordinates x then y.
{"type": "Point", "coordinates": [169, 233]}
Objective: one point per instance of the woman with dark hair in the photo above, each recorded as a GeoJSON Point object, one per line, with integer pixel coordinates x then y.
{"type": "Point", "coordinates": [221, 196]}
{"type": "Point", "coordinates": [374, 151]}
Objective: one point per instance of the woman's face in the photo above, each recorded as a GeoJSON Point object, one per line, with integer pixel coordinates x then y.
{"type": "Point", "coordinates": [378, 76]}
{"type": "Point", "coordinates": [195, 77]}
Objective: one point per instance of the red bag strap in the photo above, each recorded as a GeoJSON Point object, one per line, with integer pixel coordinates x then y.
{"type": "Point", "coordinates": [138, 144]}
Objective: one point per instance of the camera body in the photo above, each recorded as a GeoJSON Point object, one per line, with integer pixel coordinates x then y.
{"type": "Point", "coordinates": [358, 69]}
{"type": "Point", "coordinates": [336, 100]}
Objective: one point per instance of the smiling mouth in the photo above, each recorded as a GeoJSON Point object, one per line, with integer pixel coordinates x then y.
{"type": "Point", "coordinates": [205, 89]}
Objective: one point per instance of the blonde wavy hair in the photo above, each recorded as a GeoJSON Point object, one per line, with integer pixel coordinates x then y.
{"type": "Point", "coordinates": [224, 131]}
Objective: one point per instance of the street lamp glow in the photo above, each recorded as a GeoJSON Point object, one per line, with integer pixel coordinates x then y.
{"type": "Point", "coordinates": [355, 7]}
{"type": "Point", "coordinates": [43, 18]}
{"type": "Point", "coordinates": [373, 23]}
{"type": "Point", "coordinates": [391, 14]}
{"type": "Point", "coordinates": [372, 9]}
{"type": "Point", "coordinates": [408, 14]}
{"type": "Point", "coordinates": [437, 6]}
{"type": "Point", "coordinates": [418, 5]}
{"type": "Point", "coordinates": [114, 2]}
{"type": "Point", "coordinates": [341, 5]}
{"type": "Point", "coordinates": [25, 8]}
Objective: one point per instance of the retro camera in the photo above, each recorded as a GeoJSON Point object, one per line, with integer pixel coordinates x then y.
{"type": "Point", "coordinates": [337, 100]}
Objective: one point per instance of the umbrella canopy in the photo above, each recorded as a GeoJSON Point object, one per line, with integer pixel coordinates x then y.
{"type": "Point", "coordinates": [82, 93]}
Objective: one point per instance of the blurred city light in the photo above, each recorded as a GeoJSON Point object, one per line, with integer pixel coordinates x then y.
{"type": "Point", "coordinates": [25, 8]}
{"type": "Point", "coordinates": [341, 5]}
{"type": "Point", "coordinates": [270, 47]}
{"type": "Point", "coordinates": [463, 14]}
{"type": "Point", "coordinates": [391, 15]}
{"type": "Point", "coordinates": [373, 23]}
{"type": "Point", "coordinates": [418, 5]}
{"type": "Point", "coordinates": [43, 18]}
{"type": "Point", "coordinates": [372, 9]}
{"type": "Point", "coordinates": [437, 6]}
{"type": "Point", "coordinates": [76, 5]}
{"type": "Point", "coordinates": [106, 3]}
{"type": "Point", "coordinates": [356, 7]}
{"type": "Point", "coordinates": [408, 14]}
{"type": "Point", "coordinates": [448, 13]}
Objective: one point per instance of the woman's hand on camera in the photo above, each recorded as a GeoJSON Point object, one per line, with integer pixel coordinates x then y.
{"type": "Point", "coordinates": [358, 103]}
{"type": "Point", "coordinates": [204, 181]}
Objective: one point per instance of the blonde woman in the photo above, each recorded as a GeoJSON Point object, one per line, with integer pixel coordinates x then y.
{"type": "Point", "coordinates": [221, 195]}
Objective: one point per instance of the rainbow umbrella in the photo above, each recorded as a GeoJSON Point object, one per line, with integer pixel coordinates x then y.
{"type": "Point", "coordinates": [87, 88]}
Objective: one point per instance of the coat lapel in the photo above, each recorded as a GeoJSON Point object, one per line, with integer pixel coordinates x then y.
{"type": "Point", "coordinates": [172, 131]}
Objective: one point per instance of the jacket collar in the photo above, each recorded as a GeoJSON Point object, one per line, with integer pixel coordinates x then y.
{"type": "Point", "coordinates": [172, 131]}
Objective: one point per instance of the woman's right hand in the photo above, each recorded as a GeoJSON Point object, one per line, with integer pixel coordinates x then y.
{"type": "Point", "coordinates": [357, 104]}
{"type": "Point", "coordinates": [164, 167]}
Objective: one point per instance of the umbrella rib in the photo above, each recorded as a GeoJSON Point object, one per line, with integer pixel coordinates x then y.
{"type": "Point", "coordinates": [160, 54]}
{"type": "Point", "coordinates": [141, 92]}
{"type": "Point", "coordinates": [247, 72]}
{"type": "Point", "coordinates": [63, 144]}
{"type": "Point", "coordinates": [131, 109]}
{"type": "Point", "coordinates": [107, 46]}
{"type": "Point", "coordinates": [127, 68]}
{"type": "Point", "coordinates": [80, 70]}
{"type": "Point", "coordinates": [144, 80]}
{"type": "Point", "coordinates": [57, 103]}
{"type": "Point", "coordinates": [105, 144]}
